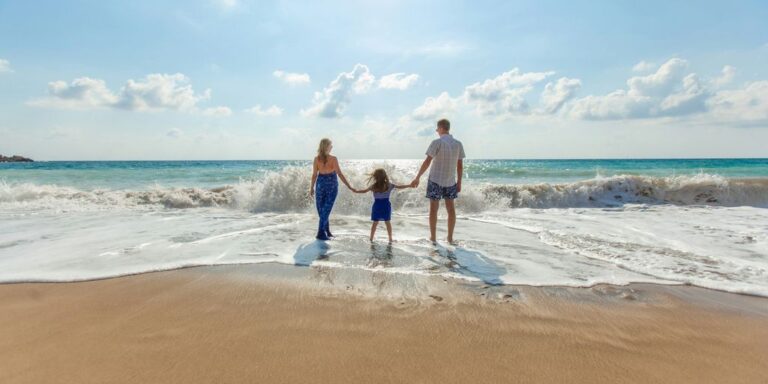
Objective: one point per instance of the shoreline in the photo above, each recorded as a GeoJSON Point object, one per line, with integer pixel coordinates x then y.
{"type": "Point", "coordinates": [272, 266]}
{"type": "Point", "coordinates": [272, 323]}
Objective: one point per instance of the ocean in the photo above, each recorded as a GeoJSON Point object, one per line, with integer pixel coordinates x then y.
{"type": "Point", "coordinates": [577, 223]}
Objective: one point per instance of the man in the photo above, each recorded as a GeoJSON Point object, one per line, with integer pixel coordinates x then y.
{"type": "Point", "coordinates": [445, 155]}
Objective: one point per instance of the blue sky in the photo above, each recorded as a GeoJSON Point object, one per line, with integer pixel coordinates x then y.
{"type": "Point", "coordinates": [239, 79]}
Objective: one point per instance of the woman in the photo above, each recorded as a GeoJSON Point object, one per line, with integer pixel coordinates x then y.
{"type": "Point", "coordinates": [324, 171]}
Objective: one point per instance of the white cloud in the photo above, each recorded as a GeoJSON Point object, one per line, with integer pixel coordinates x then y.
{"type": "Point", "coordinates": [365, 79]}
{"type": "Point", "coordinates": [399, 81]}
{"type": "Point", "coordinates": [219, 111]}
{"type": "Point", "coordinates": [671, 91]}
{"type": "Point", "coordinates": [661, 82]}
{"type": "Point", "coordinates": [81, 93]}
{"type": "Point", "coordinates": [557, 94]}
{"type": "Point", "coordinates": [668, 91]}
{"type": "Point", "coordinates": [615, 105]}
{"type": "Point", "coordinates": [643, 67]}
{"type": "Point", "coordinates": [726, 76]}
{"type": "Point", "coordinates": [691, 99]}
{"type": "Point", "coordinates": [504, 93]}
{"type": "Point", "coordinates": [5, 66]}
{"type": "Point", "coordinates": [292, 79]}
{"type": "Point", "coordinates": [160, 91]}
{"type": "Point", "coordinates": [259, 111]}
{"type": "Point", "coordinates": [435, 107]}
{"type": "Point", "coordinates": [153, 93]}
{"type": "Point", "coordinates": [331, 102]}
{"type": "Point", "coordinates": [748, 103]}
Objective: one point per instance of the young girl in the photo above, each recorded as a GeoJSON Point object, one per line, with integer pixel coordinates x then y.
{"type": "Point", "coordinates": [382, 209]}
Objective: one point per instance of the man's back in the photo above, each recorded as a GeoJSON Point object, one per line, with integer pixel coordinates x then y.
{"type": "Point", "coordinates": [445, 152]}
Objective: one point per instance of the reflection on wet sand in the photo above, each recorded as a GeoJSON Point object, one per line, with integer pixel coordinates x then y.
{"type": "Point", "coordinates": [381, 255]}
{"type": "Point", "coordinates": [307, 253]}
{"type": "Point", "coordinates": [393, 268]}
{"type": "Point", "coordinates": [471, 263]}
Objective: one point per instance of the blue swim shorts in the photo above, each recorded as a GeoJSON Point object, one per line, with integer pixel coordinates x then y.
{"type": "Point", "coordinates": [436, 192]}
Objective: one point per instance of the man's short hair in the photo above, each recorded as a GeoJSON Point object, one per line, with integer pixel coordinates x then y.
{"type": "Point", "coordinates": [445, 124]}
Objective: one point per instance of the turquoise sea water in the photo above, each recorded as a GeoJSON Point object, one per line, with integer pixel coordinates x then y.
{"type": "Point", "coordinates": [208, 174]}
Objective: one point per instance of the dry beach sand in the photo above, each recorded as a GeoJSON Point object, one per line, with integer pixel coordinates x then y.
{"type": "Point", "coordinates": [259, 323]}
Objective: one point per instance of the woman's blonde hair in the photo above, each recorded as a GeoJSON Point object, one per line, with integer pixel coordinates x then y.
{"type": "Point", "coordinates": [324, 149]}
{"type": "Point", "coordinates": [378, 180]}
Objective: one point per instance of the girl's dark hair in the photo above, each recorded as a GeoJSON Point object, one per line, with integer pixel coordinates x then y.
{"type": "Point", "coordinates": [378, 180]}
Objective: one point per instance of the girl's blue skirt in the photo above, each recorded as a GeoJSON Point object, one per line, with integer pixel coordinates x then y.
{"type": "Point", "coordinates": [381, 210]}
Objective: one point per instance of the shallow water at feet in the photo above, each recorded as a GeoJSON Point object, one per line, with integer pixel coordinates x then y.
{"type": "Point", "coordinates": [574, 223]}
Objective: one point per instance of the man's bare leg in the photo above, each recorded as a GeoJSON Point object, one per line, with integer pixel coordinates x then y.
{"type": "Point", "coordinates": [451, 218]}
{"type": "Point", "coordinates": [433, 206]}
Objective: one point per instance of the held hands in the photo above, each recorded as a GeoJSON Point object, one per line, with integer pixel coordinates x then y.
{"type": "Point", "coordinates": [415, 183]}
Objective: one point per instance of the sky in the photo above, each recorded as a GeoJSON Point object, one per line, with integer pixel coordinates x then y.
{"type": "Point", "coordinates": [241, 79]}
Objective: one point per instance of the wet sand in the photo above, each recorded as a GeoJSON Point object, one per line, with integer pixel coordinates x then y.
{"type": "Point", "coordinates": [237, 324]}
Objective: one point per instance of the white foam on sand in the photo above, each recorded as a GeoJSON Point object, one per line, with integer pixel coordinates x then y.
{"type": "Point", "coordinates": [724, 248]}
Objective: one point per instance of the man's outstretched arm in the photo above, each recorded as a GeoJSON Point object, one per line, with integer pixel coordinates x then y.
{"type": "Point", "coordinates": [424, 167]}
{"type": "Point", "coordinates": [459, 173]}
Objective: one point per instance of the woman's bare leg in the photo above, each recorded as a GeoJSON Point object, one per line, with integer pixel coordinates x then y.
{"type": "Point", "coordinates": [389, 230]}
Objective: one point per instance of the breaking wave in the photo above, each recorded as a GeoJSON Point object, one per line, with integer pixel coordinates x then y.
{"type": "Point", "coordinates": [288, 190]}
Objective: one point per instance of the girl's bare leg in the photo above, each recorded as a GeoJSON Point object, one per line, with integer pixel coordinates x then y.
{"type": "Point", "coordinates": [389, 230]}
{"type": "Point", "coordinates": [373, 228]}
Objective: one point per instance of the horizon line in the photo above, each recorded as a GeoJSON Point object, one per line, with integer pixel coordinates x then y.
{"type": "Point", "coordinates": [394, 159]}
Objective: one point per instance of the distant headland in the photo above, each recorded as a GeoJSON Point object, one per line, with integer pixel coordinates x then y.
{"type": "Point", "coordinates": [15, 159]}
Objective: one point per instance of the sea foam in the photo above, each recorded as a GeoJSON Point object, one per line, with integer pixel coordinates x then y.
{"type": "Point", "coordinates": [288, 191]}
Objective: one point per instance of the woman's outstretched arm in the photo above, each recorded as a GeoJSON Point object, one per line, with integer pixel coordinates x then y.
{"type": "Point", "coordinates": [314, 178]}
{"type": "Point", "coordinates": [341, 174]}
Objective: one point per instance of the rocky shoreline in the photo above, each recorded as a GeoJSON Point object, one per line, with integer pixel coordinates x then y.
{"type": "Point", "coordinates": [15, 159]}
